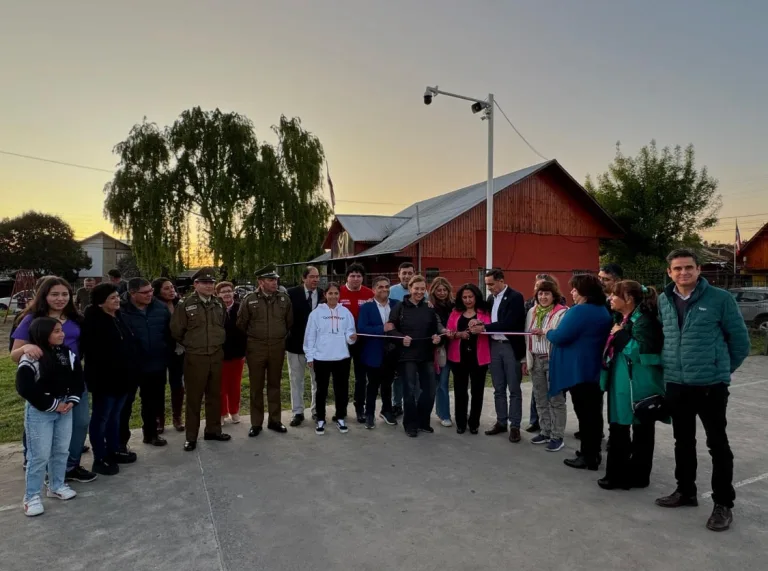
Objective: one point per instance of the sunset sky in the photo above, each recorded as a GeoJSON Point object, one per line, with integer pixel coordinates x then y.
{"type": "Point", "coordinates": [574, 76]}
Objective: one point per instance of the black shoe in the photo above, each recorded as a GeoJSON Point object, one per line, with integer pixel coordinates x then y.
{"type": "Point", "coordinates": [397, 410]}
{"type": "Point", "coordinates": [428, 429]}
{"type": "Point", "coordinates": [86, 449]}
{"type": "Point", "coordinates": [297, 420]}
{"type": "Point", "coordinates": [360, 418]}
{"type": "Point", "coordinates": [608, 484]}
{"type": "Point", "coordinates": [474, 430]}
{"type": "Point", "coordinates": [156, 441]}
{"type": "Point", "coordinates": [80, 474]}
{"type": "Point", "coordinates": [254, 431]}
{"type": "Point", "coordinates": [721, 518]}
{"type": "Point", "coordinates": [580, 463]}
{"type": "Point", "coordinates": [220, 437]}
{"type": "Point", "coordinates": [677, 500]}
{"type": "Point", "coordinates": [190, 445]}
{"type": "Point", "coordinates": [496, 429]}
{"type": "Point", "coordinates": [412, 433]}
{"type": "Point", "coordinates": [369, 422]}
{"type": "Point", "coordinates": [105, 468]}
{"type": "Point", "coordinates": [460, 430]}
{"type": "Point", "coordinates": [533, 427]}
{"type": "Point", "coordinates": [389, 418]}
{"type": "Point", "coordinates": [123, 457]}
{"type": "Point", "coordinates": [277, 427]}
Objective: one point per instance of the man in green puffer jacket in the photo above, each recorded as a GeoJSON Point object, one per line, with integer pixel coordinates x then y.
{"type": "Point", "coordinates": [705, 340]}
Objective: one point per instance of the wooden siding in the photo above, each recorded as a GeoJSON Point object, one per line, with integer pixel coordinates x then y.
{"type": "Point", "coordinates": [756, 252]}
{"type": "Point", "coordinates": [536, 205]}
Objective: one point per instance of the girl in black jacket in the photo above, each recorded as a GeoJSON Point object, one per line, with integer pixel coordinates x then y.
{"type": "Point", "coordinates": [420, 328]}
{"type": "Point", "coordinates": [111, 354]}
{"type": "Point", "coordinates": [52, 386]}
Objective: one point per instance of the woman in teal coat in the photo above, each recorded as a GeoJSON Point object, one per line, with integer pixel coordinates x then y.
{"type": "Point", "coordinates": [632, 372]}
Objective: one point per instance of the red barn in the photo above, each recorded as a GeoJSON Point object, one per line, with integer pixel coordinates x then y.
{"type": "Point", "coordinates": [544, 222]}
{"type": "Point", "coordinates": [754, 256]}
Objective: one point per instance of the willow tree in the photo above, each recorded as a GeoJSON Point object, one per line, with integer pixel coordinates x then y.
{"type": "Point", "coordinates": [256, 203]}
{"type": "Point", "coordinates": [141, 203]}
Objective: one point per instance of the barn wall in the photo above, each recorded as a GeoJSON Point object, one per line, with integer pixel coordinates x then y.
{"type": "Point", "coordinates": [757, 254]}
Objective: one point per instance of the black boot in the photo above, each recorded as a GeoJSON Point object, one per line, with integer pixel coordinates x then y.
{"type": "Point", "coordinates": [721, 518]}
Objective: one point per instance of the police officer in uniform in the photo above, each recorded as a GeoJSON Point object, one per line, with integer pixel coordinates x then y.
{"type": "Point", "coordinates": [198, 325]}
{"type": "Point", "coordinates": [266, 317]}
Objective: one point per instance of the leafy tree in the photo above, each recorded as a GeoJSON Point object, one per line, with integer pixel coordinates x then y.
{"type": "Point", "coordinates": [253, 202]}
{"type": "Point", "coordinates": [43, 243]}
{"type": "Point", "coordinates": [128, 267]}
{"type": "Point", "coordinates": [661, 201]}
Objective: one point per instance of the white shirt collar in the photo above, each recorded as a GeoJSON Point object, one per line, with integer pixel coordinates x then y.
{"type": "Point", "coordinates": [681, 296]}
{"type": "Point", "coordinates": [502, 292]}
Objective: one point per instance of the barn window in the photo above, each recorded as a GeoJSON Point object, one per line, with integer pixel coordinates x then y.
{"type": "Point", "coordinates": [432, 273]}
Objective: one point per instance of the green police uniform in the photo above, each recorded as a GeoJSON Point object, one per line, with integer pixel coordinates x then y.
{"type": "Point", "coordinates": [266, 319]}
{"type": "Point", "coordinates": [198, 325]}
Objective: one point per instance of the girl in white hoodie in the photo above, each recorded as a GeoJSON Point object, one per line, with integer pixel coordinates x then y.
{"type": "Point", "coordinates": [330, 330]}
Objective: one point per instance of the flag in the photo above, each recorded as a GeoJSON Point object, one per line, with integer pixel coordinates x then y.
{"type": "Point", "coordinates": [738, 238]}
{"type": "Point", "coordinates": [330, 187]}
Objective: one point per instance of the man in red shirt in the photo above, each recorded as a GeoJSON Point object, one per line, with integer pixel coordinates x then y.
{"type": "Point", "coordinates": [352, 295]}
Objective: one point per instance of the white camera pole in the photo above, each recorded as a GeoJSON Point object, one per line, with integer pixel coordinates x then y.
{"type": "Point", "coordinates": [487, 107]}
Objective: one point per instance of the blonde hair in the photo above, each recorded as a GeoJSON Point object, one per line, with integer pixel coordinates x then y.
{"type": "Point", "coordinates": [436, 283]}
{"type": "Point", "coordinates": [416, 279]}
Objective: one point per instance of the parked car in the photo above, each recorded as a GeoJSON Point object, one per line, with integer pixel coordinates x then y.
{"type": "Point", "coordinates": [17, 303]}
{"type": "Point", "coordinates": [753, 302]}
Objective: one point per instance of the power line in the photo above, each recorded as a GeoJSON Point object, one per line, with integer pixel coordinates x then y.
{"type": "Point", "coordinates": [41, 159]}
{"type": "Point", "coordinates": [519, 134]}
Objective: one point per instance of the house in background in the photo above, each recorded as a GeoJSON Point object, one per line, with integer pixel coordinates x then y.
{"type": "Point", "coordinates": [105, 251]}
{"type": "Point", "coordinates": [544, 222]}
{"type": "Point", "coordinates": [753, 256]}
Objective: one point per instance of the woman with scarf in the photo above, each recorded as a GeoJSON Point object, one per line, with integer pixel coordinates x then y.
{"type": "Point", "coordinates": [544, 316]}
{"type": "Point", "coordinates": [632, 372]}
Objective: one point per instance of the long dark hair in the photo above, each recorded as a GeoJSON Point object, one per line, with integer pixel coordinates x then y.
{"type": "Point", "coordinates": [590, 287]}
{"type": "Point", "coordinates": [39, 306]}
{"type": "Point", "coordinates": [39, 332]}
{"type": "Point", "coordinates": [480, 304]}
{"type": "Point", "coordinates": [645, 298]}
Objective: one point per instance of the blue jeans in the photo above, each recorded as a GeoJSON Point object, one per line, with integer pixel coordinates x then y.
{"type": "Point", "coordinates": [81, 417]}
{"type": "Point", "coordinates": [534, 415]}
{"type": "Point", "coordinates": [48, 436]}
{"type": "Point", "coordinates": [442, 398]}
{"type": "Point", "coordinates": [104, 429]}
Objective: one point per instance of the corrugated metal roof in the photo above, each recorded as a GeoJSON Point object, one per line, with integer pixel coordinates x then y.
{"type": "Point", "coordinates": [324, 257]}
{"type": "Point", "coordinates": [437, 211]}
{"type": "Point", "coordinates": [370, 228]}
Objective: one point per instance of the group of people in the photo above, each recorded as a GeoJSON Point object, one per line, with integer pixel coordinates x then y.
{"type": "Point", "coordinates": [656, 356]}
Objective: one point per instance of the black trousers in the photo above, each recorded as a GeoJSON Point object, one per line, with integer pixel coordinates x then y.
{"type": "Point", "coordinates": [419, 388]}
{"type": "Point", "coordinates": [630, 456]}
{"type": "Point", "coordinates": [709, 403]}
{"type": "Point", "coordinates": [339, 370]}
{"type": "Point", "coordinates": [588, 406]}
{"type": "Point", "coordinates": [152, 392]}
{"type": "Point", "coordinates": [379, 378]}
{"type": "Point", "coordinates": [356, 351]}
{"type": "Point", "coordinates": [468, 377]}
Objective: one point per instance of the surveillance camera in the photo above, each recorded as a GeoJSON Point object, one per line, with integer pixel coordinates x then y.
{"type": "Point", "coordinates": [427, 98]}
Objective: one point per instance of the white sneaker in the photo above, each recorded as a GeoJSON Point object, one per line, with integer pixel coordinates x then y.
{"type": "Point", "coordinates": [63, 493]}
{"type": "Point", "coordinates": [320, 427]}
{"type": "Point", "coordinates": [34, 506]}
{"type": "Point", "coordinates": [225, 419]}
{"type": "Point", "coordinates": [446, 422]}
{"type": "Point", "coordinates": [235, 419]}
{"type": "Point", "coordinates": [341, 424]}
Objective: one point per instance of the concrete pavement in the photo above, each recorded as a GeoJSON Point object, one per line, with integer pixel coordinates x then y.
{"type": "Point", "coordinates": [379, 500]}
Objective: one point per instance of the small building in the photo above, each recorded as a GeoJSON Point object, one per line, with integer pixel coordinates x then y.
{"type": "Point", "coordinates": [105, 251]}
{"type": "Point", "coordinates": [753, 256]}
{"type": "Point", "coordinates": [544, 222]}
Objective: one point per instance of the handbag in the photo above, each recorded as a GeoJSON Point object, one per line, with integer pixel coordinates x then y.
{"type": "Point", "coordinates": [441, 357]}
{"type": "Point", "coordinates": [647, 410]}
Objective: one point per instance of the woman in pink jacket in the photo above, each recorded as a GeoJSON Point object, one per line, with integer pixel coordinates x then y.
{"type": "Point", "coordinates": [468, 355]}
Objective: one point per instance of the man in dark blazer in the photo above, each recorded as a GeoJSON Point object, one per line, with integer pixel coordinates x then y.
{"type": "Point", "coordinates": [304, 299]}
{"type": "Point", "coordinates": [379, 363]}
{"type": "Point", "coordinates": [507, 353]}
